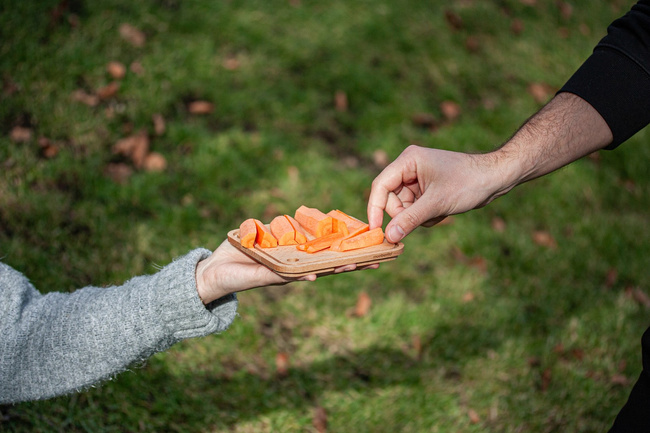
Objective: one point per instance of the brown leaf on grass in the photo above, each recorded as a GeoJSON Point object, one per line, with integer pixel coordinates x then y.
{"type": "Point", "coordinates": [231, 63]}
{"type": "Point", "coordinates": [118, 172]}
{"type": "Point", "coordinates": [541, 92]}
{"type": "Point", "coordinates": [566, 10]}
{"type": "Point", "coordinates": [154, 162]}
{"type": "Point", "coordinates": [49, 149]}
{"type": "Point", "coordinates": [363, 305]}
{"type": "Point", "coordinates": [135, 147]}
{"type": "Point", "coordinates": [116, 70]}
{"type": "Point", "coordinates": [380, 158]}
{"type": "Point", "coordinates": [9, 86]}
{"type": "Point", "coordinates": [468, 297]}
{"type": "Point", "coordinates": [137, 68]}
{"type": "Point", "coordinates": [424, 120]}
{"type": "Point", "coordinates": [453, 19]}
{"type": "Point", "coordinates": [282, 364]}
{"type": "Point", "coordinates": [200, 107]}
{"type": "Point", "coordinates": [319, 419]}
{"type": "Point", "coordinates": [20, 134]}
{"type": "Point", "coordinates": [544, 239]}
{"type": "Point", "coordinates": [473, 416]}
{"type": "Point", "coordinates": [450, 110]}
{"type": "Point", "coordinates": [132, 35]}
{"type": "Point", "coordinates": [109, 90]}
{"type": "Point", "coordinates": [416, 342]}
{"type": "Point", "coordinates": [611, 277]}
{"type": "Point", "coordinates": [619, 380]}
{"type": "Point", "coordinates": [545, 380]}
{"type": "Point", "coordinates": [638, 296]}
{"type": "Point", "coordinates": [563, 32]}
{"type": "Point", "coordinates": [480, 264]}
{"type": "Point", "coordinates": [472, 44]}
{"type": "Point", "coordinates": [498, 224]}
{"type": "Point", "coordinates": [159, 126]}
{"type": "Point", "coordinates": [341, 101]}
{"type": "Point", "coordinates": [85, 98]}
{"type": "Point", "coordinates": [517, 26]}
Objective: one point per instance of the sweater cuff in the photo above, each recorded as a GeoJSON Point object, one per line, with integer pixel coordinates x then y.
{"type": "Point", "coordinates": [618, 88]}
{"type": "Point", "coordinates": [174, 293]}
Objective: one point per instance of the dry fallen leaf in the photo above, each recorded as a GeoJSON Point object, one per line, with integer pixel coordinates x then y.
{"type": "Point", "coordinates": [118, 172]}
{"type": "Point", "coordinates": [498, 224]}
{"type": "Point", "coordinates": [200, 107]}
{"type": "Point", "coordinates": [363, 305]}
{"type": "Point", "coordinates": [472, 44]}
{"type": "Point", "coordinates": [541, 92]}
{"type": "Point", "coordinates": [546, 379]}
{"type": "Point", "coordinates": [158, 124]}
{"type": "Point", "coordinates": [416, 342]}
{"type": "Point", "coordinates": [424, 120]}
{"type": "Point", "coordinates": [20, 134]}
{"type": "Point", "coordinates": [450, 110]}
{"type": "Point", "coordinates": [474, 418]}
{"type": "Point", "coordinates": [517, 27]}
{"type": "Point", "coordinates": [49, 149]}
{"type": "Point", "coordinates": [282, 364]}
{"type": "Point", "coordinates": [231, 63]}
{"type": "Point", "coordinates": [380, 158]}
{"type": "Point", "coordinates": [109, 90]}
{"type": "Point", "coordinates": [137, 68]}
{"type": "Point", "coordinates": [639, 296]}
{"type": "Point", "coordinates": [566, 10]}
{"type": "Point", "coordinates": [116, 70]}
{"type": "Point", "coordinates": [154, 162]}
{"type": "Point", "coordinates": [319, 420]}
{"type": "Point", "coordinates": [341, 101]}
{"type": "Point", "coordinates": [135, 147]}
{"type": "Point", "coordinates": [610, 279]}
{"type": "Point", "coordinates": [453, 19]}
{"type": "Point", "coordinates": [85, 98]}
{"type": "Point", "coordinates": [132, 35]}
{"type": "Point", "coordinates": [544, 239]}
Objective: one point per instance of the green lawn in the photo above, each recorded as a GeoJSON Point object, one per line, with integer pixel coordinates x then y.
{"type": "Point", "coordinates": [479, 326]}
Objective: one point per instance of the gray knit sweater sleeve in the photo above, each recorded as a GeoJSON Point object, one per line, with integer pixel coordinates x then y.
{"type": "Point", "coordinates": [58, 343]}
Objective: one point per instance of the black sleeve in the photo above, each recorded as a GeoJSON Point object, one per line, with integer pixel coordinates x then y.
{"type": "Point", "coordinates": [615, 79]}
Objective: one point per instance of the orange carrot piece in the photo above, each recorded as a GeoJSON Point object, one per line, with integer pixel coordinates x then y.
{"type": "Point", "coordinates": [248, 233]}
{"type": "Point", "coordinates": [265, 238]}
{"type": "Point", "coordinates": [299, 234]}
{"type": "Point", "coordinates": [364, 240]}
{"type": "Point", "coordinates": [314, 221]}
{"type": "Point", "coordinates": [336, 246]}
{"type": "Point", "coordinates": [351, 222]}
{"type": "Point", "coordinates": [283, 231]}
{"type": "Point", "coordinates": [339, 226]}
{"type": "Point", "coordinates": [320, 243]}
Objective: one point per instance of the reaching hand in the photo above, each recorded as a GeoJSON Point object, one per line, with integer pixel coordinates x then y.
{"type": "Point", "coordinates": [423, 186]}
{"type": "Point", "coordinates": [228, 270]}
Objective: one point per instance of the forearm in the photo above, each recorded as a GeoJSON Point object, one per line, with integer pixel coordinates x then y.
{"type": "Point", "coordinates": [57, 343]}
{"type": "Point", "coordinates": [565, 130]}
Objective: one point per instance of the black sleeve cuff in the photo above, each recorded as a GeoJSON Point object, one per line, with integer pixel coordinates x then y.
{"type": "Point", "coordinates": [618, 88]}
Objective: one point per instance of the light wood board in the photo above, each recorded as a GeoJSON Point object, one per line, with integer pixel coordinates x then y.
{"type": "Point", "coordinates": [289, 262]}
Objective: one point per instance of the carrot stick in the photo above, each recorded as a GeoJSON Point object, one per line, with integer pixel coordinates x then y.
{"type": "Point", "coordinates": [299, 234]}
{"type": "Point", "coordinates": [364, 240]}
{"type": "Point", "coordinates": [283, 231]}
{"type": "Point", "coordinates": [248, 233]}
{"type": "Point", "coordinates": [314, 221]}
{"type": "Point", "coordinates": [336, 246]}
{"type": "Point", "coordinates": [339, 226]}
{"type": "Point", "coordinates": [351, 222]}
{"type": "Point", "coordinates": [320, 243]}
{"type": "Point", "coordinates": [265, 238]}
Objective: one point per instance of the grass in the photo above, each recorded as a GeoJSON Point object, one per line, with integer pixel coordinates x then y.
{"type": "Point", "coordinates": [472, 329]}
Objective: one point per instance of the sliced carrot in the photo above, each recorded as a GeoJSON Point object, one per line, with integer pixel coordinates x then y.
{"type": "Point", "coordinates": [299, 234]}
{"type": "Point", "coordinates": [339, 226]}
{"type": "Point", "coordinates": [314, 221]}
{"type": "Point", "coordinates": [283, 231]}
{"type": "Point", "coordinates": [320, 243]}
{"type": "Point", "coordinates": [364, 240]}
{"type": "Point", "coordinates": [351, 222]}
{"type": "Point", "coordinates": [248, 233]}
{"type": "Point", "coordinates": [336, 246]}
{"type": "Point", "coordinates": [265, 238]}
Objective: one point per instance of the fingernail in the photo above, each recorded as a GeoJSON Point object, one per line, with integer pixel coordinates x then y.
{"type": "Point", "coordinates": [395, 234]}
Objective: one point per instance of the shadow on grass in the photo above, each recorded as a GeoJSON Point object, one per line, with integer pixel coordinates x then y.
{"type": "Point", "coordinates": [155, 398]}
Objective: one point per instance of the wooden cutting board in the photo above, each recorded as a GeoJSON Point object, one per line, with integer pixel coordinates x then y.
{"type": "Point", "coordinates": [289, 262]}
